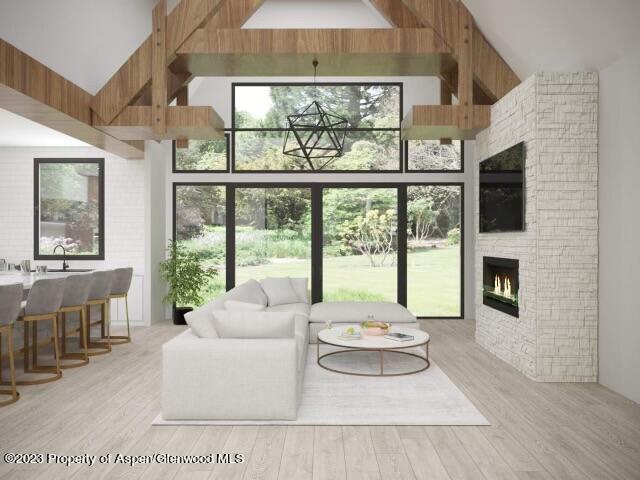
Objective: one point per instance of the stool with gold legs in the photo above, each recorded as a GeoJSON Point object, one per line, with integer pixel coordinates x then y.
{"type": "Point", "coordinates": [120, 289]}
{"type": "Point", "coordinates": [76, 294]}
{"type": "Point", "coordinates": [99, 296]}
{"type": "Point", "coordinates": [10, 299]}
{"type": "Point", "coordinates": [43, 303]}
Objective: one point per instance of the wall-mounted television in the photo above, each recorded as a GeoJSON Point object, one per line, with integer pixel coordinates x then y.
{"type": "Point", "coordinates": [502, 191]}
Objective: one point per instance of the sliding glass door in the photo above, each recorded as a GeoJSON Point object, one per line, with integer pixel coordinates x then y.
{"type": "Point", "coordinates": [200, 226]}
{"type": "Point", "coordinates": [383, 242]}
{"type": "Point", "coordinates": [359, 230]}
{"type": "Point", "coordinates": [272, 232]}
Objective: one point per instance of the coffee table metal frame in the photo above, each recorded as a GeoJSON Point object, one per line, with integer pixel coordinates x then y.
{"type": "Point", "coordinates": [398, 350]}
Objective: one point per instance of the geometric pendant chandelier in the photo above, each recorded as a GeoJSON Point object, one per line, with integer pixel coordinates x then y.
{"type": "Point", "coordinates": [315, 134]}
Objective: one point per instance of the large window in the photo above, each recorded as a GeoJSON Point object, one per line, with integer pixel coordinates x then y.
{"type": "Point", "coordinates": [372, 138]}
{"type": "Point", "coordinates": [434, 156]}
{"type": "Point", "coordinates": [69, 208]}
{"type": "Point", "coordinates": [356, 239]}
{"type": "Point", "coordinates": [273, 232]}
{"type": "Point", "coordinates": [390, 242]}
{"type": "Point", "coordinates": [202, 156]}
{"type": "Point", "coordinates": [200, 221]}
{"type": "Point", "coordinates": [360, 244]}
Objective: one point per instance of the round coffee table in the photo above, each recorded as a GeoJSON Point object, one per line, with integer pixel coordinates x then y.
{"type": "Point", "coordinates": [331, 336]}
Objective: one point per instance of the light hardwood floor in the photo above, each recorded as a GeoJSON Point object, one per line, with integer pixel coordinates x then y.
{"type": "Point", "coordinates": [538, 431]}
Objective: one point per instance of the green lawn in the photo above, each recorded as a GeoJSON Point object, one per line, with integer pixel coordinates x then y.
{"type": "Point", "coordinates": [433, 279]}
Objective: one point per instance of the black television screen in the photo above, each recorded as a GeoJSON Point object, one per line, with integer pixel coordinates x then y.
{"type": "Point", "coordinates": [502, 191]}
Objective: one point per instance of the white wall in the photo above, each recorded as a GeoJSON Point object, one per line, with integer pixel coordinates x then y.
{"type": "Point", "coordinates": [84, 41]}
{"type": "Point", "coordinates": [316, 14]}
{"type": "Point", "coordinates": [124, 212]}
{"type": "Point", "coordinates": [619, 335]}
{"type": "Point", "coordinates": [157, 225]}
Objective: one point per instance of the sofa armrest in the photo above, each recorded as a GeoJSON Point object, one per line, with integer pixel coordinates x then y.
{"type": "Point", "coordinates": [232, 379]}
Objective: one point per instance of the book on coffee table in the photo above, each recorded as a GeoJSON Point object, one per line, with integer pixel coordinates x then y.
{"type": "Point", "coordinates": [399, 337]}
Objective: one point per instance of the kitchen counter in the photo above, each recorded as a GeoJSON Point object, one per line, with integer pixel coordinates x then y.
{"type": "Point", "coordinates": [9, 278]}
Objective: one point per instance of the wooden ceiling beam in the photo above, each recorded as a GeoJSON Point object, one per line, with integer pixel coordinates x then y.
{"type": "Point", "coordinates": [233, 14]}
{"type": "Point", "coordinates": [441, 15]}
{"type": "Point", "coordinates": [135, 74]}
{"type": "Point", "coordinates": [159, 70]}
{"type": "Point", "coordinates": [465, 59]}
{"type": "Point", "coordinates": [136, 123]}
{"type": "Point", "coordinates": [490, 72]}
{"type": "Point", "coordinates": [30, 89]}
{"type": "Point", "coordinates": [445, 121]}
{"type": "Point", "coordinates": [182, 100]}
{"type": "Point", "coordinates": [341, 52]}
{"type": "Point", "coordinates": [176, 81]}
{"type": "Point", "coordinates": [397, 13]}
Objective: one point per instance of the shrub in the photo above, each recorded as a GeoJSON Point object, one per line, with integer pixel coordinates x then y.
{"type": "Point", "coordinates": [453, 236]}
{"type": "Point", "coordinates": [185, 275]}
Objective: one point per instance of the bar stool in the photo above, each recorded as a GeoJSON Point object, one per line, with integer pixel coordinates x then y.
{"type": "Point", "coordinates": [10, 301]}
{"type": "Point", "coordinates": [99, 295]}
{"type": "Point", "coordinates": [76, 294]}
{"type": "Point", "coordinates": [120, 289]}
{"type": "Point", "coordinates": [43, 302]}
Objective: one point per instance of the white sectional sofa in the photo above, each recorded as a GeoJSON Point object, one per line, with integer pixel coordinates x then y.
{"type": "Point", "coordinates": [211, 372]}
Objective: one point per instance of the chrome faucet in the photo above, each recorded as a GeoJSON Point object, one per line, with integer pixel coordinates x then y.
{"type": "Point", "coordinates": [65, 265]}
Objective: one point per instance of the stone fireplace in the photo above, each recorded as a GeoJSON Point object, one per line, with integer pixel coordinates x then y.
{"type": "Point", "coordinates": [500, 284]}
{"type": "Point", "coordinates": [544, 319]}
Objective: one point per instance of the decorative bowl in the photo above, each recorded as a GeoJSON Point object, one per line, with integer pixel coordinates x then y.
{"type": "Point", "coordinates": [375, 329]}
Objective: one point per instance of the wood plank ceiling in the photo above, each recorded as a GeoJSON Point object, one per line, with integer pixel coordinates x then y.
{"type": "Point", "coordinates": [205, 38]}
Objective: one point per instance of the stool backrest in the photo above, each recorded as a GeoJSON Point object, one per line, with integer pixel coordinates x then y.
{"type": "Point", "coordinates": [101, 285]}
{"type": "Point", "coordinates": [121, 281]}
{"type": "Point", "coordinates": [76, 290]}
{"type": "Point", "coordinates": [10, 299]}
{"type": "Point", "coordinates": [45, 296]}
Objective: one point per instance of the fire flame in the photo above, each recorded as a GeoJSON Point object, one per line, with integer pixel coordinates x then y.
{"type": "Point", "coordinates": [502, 287]}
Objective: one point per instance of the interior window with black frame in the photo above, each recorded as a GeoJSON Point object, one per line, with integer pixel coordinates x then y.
{"type": "Point", "coordinates": [371, 137]}
{"type": "Point", "coordinates": [69, 209]}
{"type": "Point", "coordinates": [434, 156]}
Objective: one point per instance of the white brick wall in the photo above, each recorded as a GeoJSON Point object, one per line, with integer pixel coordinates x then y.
{"type": "Point", "coordinates": [124, 214]}
{"type": "Point", "coordinates": [555, 337]}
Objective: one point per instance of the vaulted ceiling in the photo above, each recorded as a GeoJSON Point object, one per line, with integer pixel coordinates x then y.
{"type": "Point", "coordinates": [87, 42]}
{"type": "Point", "coordinates": [530, 35]}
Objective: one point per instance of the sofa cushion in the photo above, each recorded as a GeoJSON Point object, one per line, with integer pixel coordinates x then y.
{"type": "Point", "coordinates": [236, 305]}
{"type": "Point", "coordinates": [249, 291]}
{"type": "Point", "coordinates": [203, 312]}
{"type": "Point", "coordinates": [204, 326]}
{"type": "Point", "coordinates": [247, 324]}
{"type": "Point", "coordinates": [300, 287]}
{"type": "Point", "coordinates": [356, 312]}
{"type": "Point", "coordinates": [297, 308]}
{"type": "Point", "coordinates": [279, 291]}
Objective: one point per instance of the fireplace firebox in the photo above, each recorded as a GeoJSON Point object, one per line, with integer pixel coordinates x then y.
{"type": "Point", "coordinates": [500, 284]}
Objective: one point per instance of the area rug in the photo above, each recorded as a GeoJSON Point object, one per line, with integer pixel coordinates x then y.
{"type": "Point", "coordinates": [328, 398]}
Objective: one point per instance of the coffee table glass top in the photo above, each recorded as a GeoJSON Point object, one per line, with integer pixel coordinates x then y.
{"type": "Point", "coordinates": [331, 337]}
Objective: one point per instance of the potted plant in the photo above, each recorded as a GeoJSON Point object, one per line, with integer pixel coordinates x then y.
{"type": "Point", "coordinates": [185, 276]}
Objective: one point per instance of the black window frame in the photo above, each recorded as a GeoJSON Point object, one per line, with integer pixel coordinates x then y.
{"type": "Point", "coordinates": [36, 208]}
{"type": "Point", "coordinates": [435, 170]}
{"type": "Point", "coordinates": [401, 145]}
{"type": "Point", "coordinates": [227, 136]}
{"type": "Point", "coordinates": [317, 189]}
